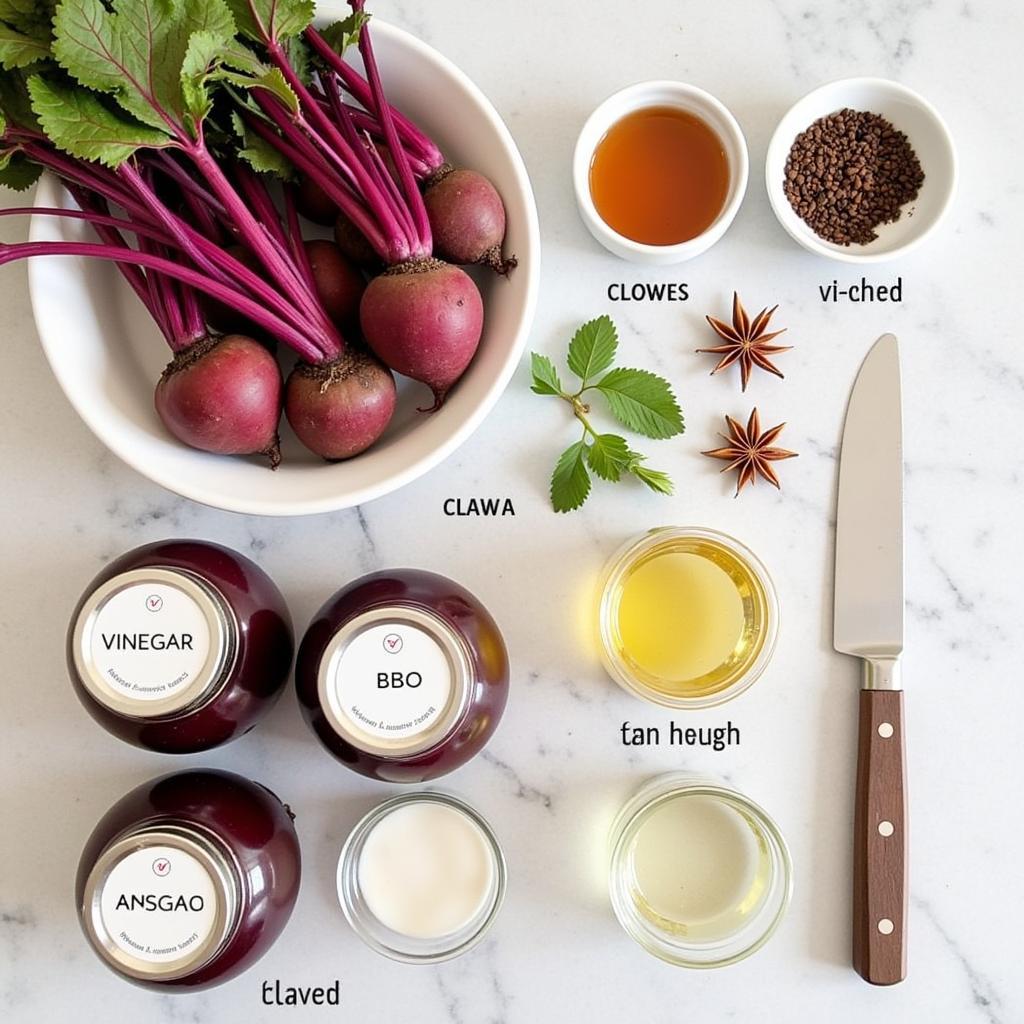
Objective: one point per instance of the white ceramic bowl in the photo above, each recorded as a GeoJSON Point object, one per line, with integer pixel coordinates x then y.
{"type": "Point", "coordinates": [660, 94]}
{"type": "Point", "coordinates": [107, 354]}
{"type": "Point", "coordinates": [911, 114]}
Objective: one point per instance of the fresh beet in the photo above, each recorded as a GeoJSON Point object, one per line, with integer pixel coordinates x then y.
{"type": "Point", "coordinates": [467, 219]}
{"type": "Point", "coordinates": [339, 409]}
{"type": "Point", "coordinates": [424, 318]}
{"type": "Point", "coordinates": [314, 203]}
{"type": "Point", "coordinates": [223, 395]}
{"type": "Point", "coordinates": [339, 283]}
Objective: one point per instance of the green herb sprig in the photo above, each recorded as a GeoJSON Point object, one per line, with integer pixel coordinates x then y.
{"type": "Point", "coordinates": [640, 400]}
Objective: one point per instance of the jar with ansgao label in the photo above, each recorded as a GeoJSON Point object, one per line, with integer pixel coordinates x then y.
{"type": "Point", "coordinates": [403, 675]}
{"type": "Point", "coordinates": [180, 646]}
{"type": "Point", "coordinates": [188, 880]}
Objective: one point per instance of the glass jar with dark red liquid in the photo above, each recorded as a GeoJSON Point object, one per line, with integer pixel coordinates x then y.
{"type": "Point", "coordinates": [180, 646]}
{"type": "Point", "coordinates": [403, 675]}
{"type": "Point", "coordinates": [188, 880]}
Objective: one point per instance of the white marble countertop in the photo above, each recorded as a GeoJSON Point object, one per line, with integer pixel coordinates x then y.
{"type": "Point", "coordinates": [556, 771]}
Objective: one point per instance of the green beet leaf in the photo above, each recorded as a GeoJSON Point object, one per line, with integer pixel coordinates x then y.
{"type": "Point", "coordinates": [141, 52]}
{"type": "Point", "coordinates": [244, 70]}
{"type": "Point", "coordinates": [345, 33]}
{"type": "Point", "coordinates": [78, 122]}
{"type": "Point", "coordinates": [18, 50]}
{"type": "Point", "coordinates": [29, 16]}
{"type": "Point", "coordinates": [299, 58]}
{"type": "Point", "coordinates": [25, 31]}
{"type": "Point", "coordinates": [258, 153]}
{"type": "Point", "coordinates": [272, 19]}
{"type": "Point", "coordinates": [15, 102]}
{"type": "Point", "coordinates": [201, 57]}
{"type": "Point", "coordinates": [17, 173]}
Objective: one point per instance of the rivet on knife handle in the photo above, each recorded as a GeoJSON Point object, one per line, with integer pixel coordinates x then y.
{"type": "Point", "coordinates": [880, 838]}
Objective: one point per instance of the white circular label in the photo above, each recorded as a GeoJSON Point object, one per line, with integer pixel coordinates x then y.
{"type": "Point", "coordinates": [149, 641]}
{"type": "Point", "coordinates": [159, 904]}
{"type": "Point", "coordinates": [392, 681]}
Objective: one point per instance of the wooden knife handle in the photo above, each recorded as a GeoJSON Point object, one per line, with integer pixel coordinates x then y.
{"type": "Point", "coordinates": [880, 842]}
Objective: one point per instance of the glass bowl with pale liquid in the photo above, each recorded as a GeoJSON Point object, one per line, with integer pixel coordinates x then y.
{"type": "Point", "coordinates": [687, 617]}
{"type": "Point", "coordinates": [700, 875]}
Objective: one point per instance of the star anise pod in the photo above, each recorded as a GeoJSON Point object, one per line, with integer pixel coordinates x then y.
{"type": "Point", "coordinates": [750, 451]}
{"type": "Point", "coordinates": [745, 341]}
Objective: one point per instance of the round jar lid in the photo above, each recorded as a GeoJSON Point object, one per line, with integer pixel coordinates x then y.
{"type": "Point", "coordinates": [154, 642]}
{"type": "Point", "coordinates": [395, 681]}
{"type": "Point", "coordinates": [161, 902]}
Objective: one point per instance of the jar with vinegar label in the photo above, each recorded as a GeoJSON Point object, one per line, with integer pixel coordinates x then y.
{"type": "Point", "coordinates": [180, 646]}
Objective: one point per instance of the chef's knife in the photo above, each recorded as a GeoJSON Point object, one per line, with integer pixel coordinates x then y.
{"type": "Point", "coordinates": [869, 624]}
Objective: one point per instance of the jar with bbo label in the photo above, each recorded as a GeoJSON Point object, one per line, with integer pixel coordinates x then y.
{"type": "Point", "coordinates": [403, 675]}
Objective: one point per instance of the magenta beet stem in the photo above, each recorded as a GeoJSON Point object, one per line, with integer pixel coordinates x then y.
{"type": "Point", "coordinates": [174, 226]}
{"type": "Point", "coordinates": [382, 108]}
{"type": "Point", "coordinates": [282, 273]}
{"type": "Point", "coordinates": [357, 87]}
{"type": "Point", "coordinates": [301, 153]}
{"type": "Point", "coordinates": [110, 235]}
{"type": "Point", "coordinates": [376, 165]}
{"type": "Point", "coordinates": [348, 160]}
{"type": "Point", "coordinates": [295, 240]}
{"type": "Point", "coordinates": [226, 269]}
{"type": "Point", "coordinates": [369, 125]}
{"type": "Point", "coordinates": [96, 219]}
{"type": "Point", "coordinates": [332, 142]}
{"type": "Point", "coordinates": [255, 311]}
{"type": "Point", "coordinates": [189, 186]}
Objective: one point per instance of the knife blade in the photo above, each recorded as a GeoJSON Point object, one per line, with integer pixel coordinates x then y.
{"type": "Point", "coordinates": [868, 623]}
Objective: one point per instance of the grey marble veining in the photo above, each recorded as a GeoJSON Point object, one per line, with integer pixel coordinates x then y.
{"type": "Point", "coordinates": [555, 774]}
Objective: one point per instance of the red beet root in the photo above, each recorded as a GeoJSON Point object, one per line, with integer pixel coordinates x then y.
{"type": "Point", "coordinates": [467, 219]}
{"type": "Point", "coordinates": [223, 395]}
{"type": "Point", "coordinates": [339, 283]}
{"type": "Point", "coordinates": [424, 319]}
{"type": "Point", "coordinates": [339, 409]}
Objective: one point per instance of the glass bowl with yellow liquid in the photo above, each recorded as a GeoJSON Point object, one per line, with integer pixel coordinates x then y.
{"type": "Point", "coordinates": [700, 875]}
{"type": "Point", "coordinates": [687, 617]}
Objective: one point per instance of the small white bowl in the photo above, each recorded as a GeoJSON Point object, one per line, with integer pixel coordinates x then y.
{"type": "Point", "coordinates": [107, 355]}
{"type": "Point", "coordinates": [660, 94]}
{"type": "Point", "coordinates": [911, 114]}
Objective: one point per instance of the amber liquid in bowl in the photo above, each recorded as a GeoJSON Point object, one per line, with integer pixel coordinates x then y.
{"type": "Point", "coordinates": [686, 617]}
{"type": "Point", "coordinates": [659, 176]}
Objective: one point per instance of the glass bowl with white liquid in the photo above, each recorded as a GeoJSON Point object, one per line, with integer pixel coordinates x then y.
{"type": "Point", "coordinates": [421, 878]}
{"type": "Point", "coordinates": [700, 875]}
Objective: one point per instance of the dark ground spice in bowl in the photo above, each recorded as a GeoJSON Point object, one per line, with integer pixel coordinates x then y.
{"type": "Point", "coordinates": [850, 172]}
